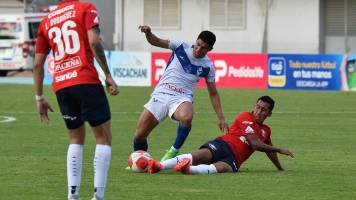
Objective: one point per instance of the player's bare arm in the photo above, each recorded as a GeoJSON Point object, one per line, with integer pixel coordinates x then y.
{"type": "Point", "coordinates": [215, 101]}
{"type": "Point", "coordinates": [258, 145]}
{"type": "Point", "coordinates": [153, 39]}
{"type": "Point", "coordinates": [99, 54]}
{"type": "Point", "coordinates": [38, 74]}
{"type": "Point", "coordinates": [274, 158]}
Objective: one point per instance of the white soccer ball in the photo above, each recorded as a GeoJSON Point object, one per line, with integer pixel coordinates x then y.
{"type": "Point", "coordinates": [138, 161]}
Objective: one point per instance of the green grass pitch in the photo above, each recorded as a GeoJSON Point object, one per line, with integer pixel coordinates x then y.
{"type": "Point", "coordinates": [319, 127]}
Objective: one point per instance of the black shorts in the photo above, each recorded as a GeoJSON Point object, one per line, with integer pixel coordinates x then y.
{"type": "Point", "coordinates": [80, 103]}
{"type": "Point", "coordinates": [222, 152]}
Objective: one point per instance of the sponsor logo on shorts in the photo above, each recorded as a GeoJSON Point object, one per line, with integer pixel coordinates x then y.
{"type": "Point", "coordinates": [213, 147]}
{"type": "Point", "coordinates": [67, 117]}
{"type": "Point", "coordinates": [235, 166]}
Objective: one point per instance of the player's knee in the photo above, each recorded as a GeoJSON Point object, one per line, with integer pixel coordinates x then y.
{"type": "Point", "coordinates": [186, 120]}
{"type": "Point", "coordinates": [76, 140]}
{"type": "Point", "coordinates": [104, 139]}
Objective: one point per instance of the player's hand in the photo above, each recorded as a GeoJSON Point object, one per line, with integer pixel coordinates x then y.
{"type": "Point", "coordinates": [145, 29]}
{"type": "Point", "coordinates": [111, 86]}
{"type": "Point", "coordinates": [42, 109]}
{"type": "Point", "coordinates": [286, 152]}
{"type": "Point", "coordinates": [223, 126]}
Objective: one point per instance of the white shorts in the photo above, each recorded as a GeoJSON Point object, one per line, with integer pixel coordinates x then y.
{"type": "Point", "coordinates": [163, 105]}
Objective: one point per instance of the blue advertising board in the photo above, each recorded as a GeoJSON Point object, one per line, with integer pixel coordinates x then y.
{"type": "Point", "coordinates": [304, 71]}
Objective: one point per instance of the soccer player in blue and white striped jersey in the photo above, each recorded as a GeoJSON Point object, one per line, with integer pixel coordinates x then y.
{"type": "Point", "coordinates": [173, 96]}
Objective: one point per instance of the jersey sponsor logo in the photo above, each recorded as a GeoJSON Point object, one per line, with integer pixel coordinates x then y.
{"type": "Point", "coordinates": [249, 130]}
{"type": "Point", "coordinates": [263, 133]}
{"type": "Point", "coordinates": [247, 122]}
{"type": "Point", "coordinates": [60, 11]}
{"type": "Point", "coordinates": [173, 87]}
{"type": "Point", "coordinates": [66, 76]}
{"type": "Point", "coordinates": [68, 64]}
{"type": "Point", "coordinates": [96, 20]}
{"type": "Point", "coordinates": [244, 140]}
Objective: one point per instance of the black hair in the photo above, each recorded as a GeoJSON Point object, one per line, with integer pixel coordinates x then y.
{"type": "Point", "coordinates": [208, 37]}
{"type": "Point", "coordinates": [269, 100]}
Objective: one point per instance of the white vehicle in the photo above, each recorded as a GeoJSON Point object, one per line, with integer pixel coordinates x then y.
{"type": "Point", "coordinates": [17, 41]}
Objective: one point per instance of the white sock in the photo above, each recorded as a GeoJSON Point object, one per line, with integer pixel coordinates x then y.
{"type": "Point", "coordinates": [203, 169]}
{"type": "Point", "coordinates": [101, 168]}
{"type": "Point", "coordinates": [170, 163]}
{"type": "Point", "coordinates": [174, 149]}
{"type": "Point", "coordinates": [74, 169]}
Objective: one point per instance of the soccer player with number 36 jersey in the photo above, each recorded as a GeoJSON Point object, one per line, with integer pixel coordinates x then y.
{"type": "Point", "coordinates": [72, 32]}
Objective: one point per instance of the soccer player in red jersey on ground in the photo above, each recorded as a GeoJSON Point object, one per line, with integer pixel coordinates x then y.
{"type": "Point", "coordinates": [72, 32]}
{"type": "Point", "coordinates": [228, 152]}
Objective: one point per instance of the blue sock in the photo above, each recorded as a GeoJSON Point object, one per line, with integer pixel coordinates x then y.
{"type": "Point", "coordinates": [182, 134]}
{"type": "Point", "coordinates": [140, 145]}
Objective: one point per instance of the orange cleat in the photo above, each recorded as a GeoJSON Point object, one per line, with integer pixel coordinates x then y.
{"type": "Point", "coordinates": [154, 166]}
{"type": "Point", "coordinates": [183, 167]}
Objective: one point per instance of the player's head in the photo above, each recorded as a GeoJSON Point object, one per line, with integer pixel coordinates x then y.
{"type": "Point", "coordinates": [204, 44]}
{"type": "Point", "coordinates": [263, 108]}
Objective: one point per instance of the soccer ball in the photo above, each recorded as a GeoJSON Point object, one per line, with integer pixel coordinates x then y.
{"type": "Point", "coordinates": [138, 161]}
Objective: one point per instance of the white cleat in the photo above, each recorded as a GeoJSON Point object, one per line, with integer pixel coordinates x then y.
{"type": "Point", "coordinates": [74, 197]}
{"type": "Point", "coordinates": [96, 198]}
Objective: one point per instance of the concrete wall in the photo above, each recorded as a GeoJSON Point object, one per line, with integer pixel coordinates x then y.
{"type": "Point", "coordinates": [293, 27]}
{"type": "Point", "coordinates": [11, 6]}
{"type": "Point", "coordinates": [290, 26]}
{"type": "Point", "coordinates": [106, 10]}
{"type": "Point", "coordinates": [194, 19]}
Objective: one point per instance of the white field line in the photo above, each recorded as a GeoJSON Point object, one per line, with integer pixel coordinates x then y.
{"type": "Point", "coordinates": [5, 119]}
{"type": "Point", "coordinates": [230, 112]}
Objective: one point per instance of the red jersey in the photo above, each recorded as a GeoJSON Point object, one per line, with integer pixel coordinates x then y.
{"type": "Point", "coordinates": [64, 30]}
{"type": "Point", "coordinates": [243, 125]}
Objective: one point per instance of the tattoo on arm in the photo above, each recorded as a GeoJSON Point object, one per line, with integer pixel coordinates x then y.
{"type": "Point", "coordinates": [99, 54]}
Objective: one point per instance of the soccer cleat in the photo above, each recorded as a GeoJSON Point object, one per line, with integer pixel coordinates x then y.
{"type": "Point", "coordinates": [74, 197]}
{"type": "Point", "coordinates": [128, 168]}
{"type": "Point", "coordinates": [154, 166]}
{"type": "Point", "coordinates": [96, 198]}
{"type": "Point", "coordinates": [183, 167]}
{"type": "Point", "coordinates": [171, 153]}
